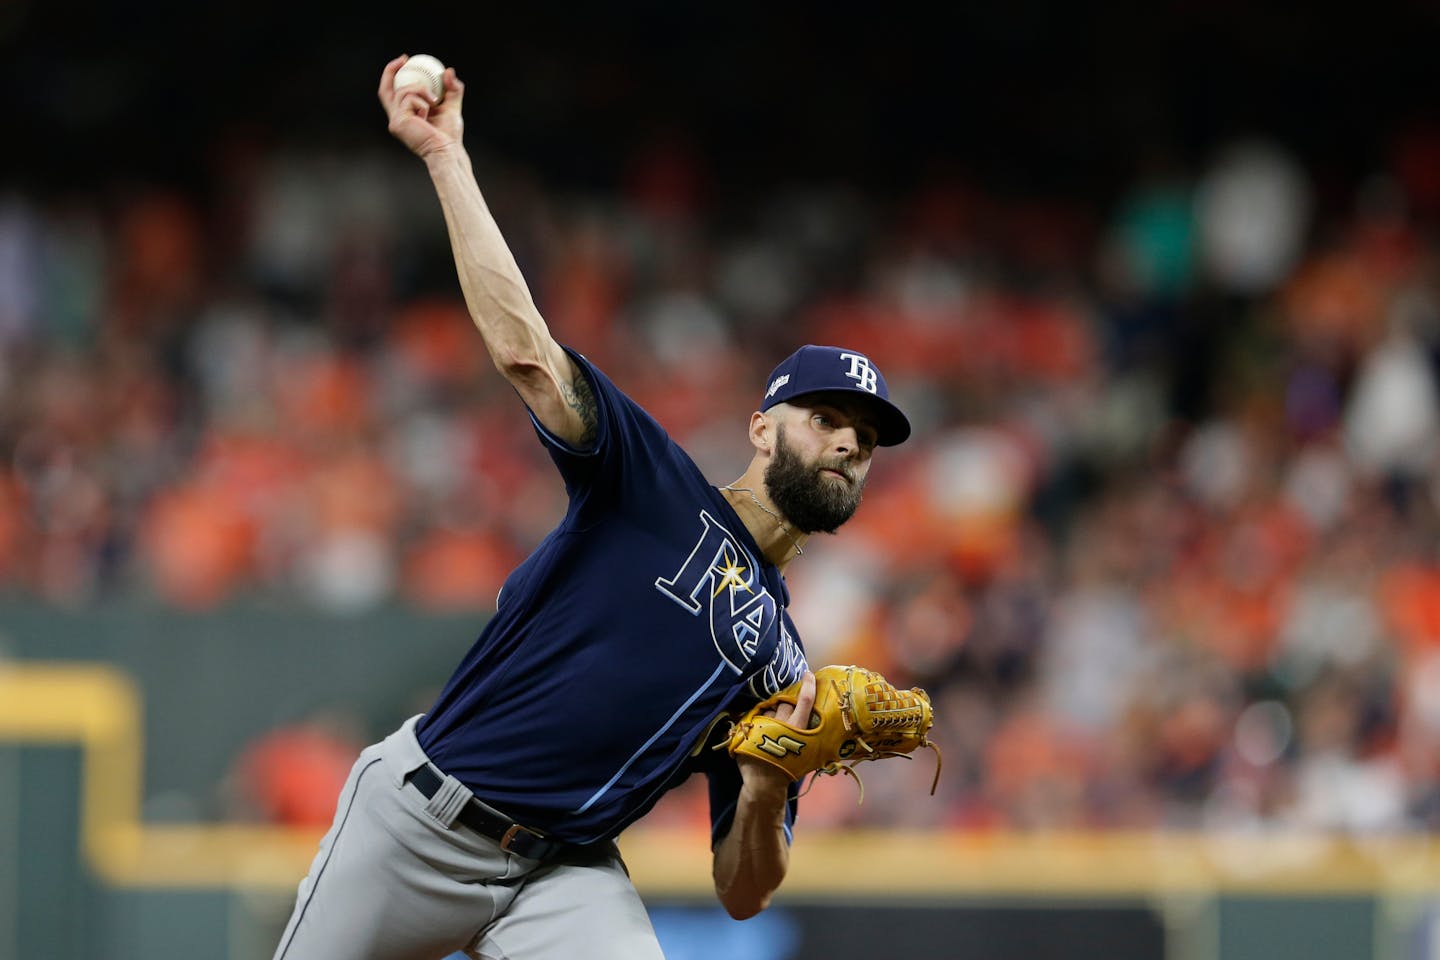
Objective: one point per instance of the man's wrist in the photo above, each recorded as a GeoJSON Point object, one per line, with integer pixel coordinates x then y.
{"type": "Point", "coordinates": [447, 157]}
{"type": "Point", "coordinates": [764, 783]}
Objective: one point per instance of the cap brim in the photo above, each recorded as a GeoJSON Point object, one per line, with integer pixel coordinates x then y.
{"type": "Point", "coordinates": [892, 427]}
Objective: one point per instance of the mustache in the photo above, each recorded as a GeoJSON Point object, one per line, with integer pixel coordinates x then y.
{"type": "Point", "coordinates": [839, 466]}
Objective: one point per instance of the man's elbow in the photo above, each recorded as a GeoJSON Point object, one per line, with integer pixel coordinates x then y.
{"type": "Point", "coordinates": [742, 897]}
{"type": "Point", "coordinates": [521, 364]}
{"type": "Point", "coordinates": [743, 907]}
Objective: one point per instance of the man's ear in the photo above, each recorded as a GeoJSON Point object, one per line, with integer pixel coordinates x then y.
{"type": "Point", "coordinates": [762, 431]}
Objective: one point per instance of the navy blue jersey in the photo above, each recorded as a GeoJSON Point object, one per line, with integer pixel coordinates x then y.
{"type": "Point", "coordinates": [641, 618]}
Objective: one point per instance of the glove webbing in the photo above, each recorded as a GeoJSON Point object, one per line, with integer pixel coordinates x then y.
{"type": "Point", "coordinates": [888, 708]}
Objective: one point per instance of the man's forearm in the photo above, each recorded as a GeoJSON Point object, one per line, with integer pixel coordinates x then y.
{"type": "Point", "coordinates": [752, 859]}
{"type": "Point", "coordinates": [520, 344]}
{"type": "Point", "coordinates": [495, 291]}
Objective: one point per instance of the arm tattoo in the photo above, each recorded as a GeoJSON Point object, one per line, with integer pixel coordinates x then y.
{"type": "Point", "coordinates": [581, 399]}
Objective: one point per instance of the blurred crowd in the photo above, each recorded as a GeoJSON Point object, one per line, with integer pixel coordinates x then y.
{"type": "Point", "coordinates": [1162, 549]}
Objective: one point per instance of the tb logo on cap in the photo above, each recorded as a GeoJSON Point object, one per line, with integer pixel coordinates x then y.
{"type": "Point", "coordinates": [861, 372]}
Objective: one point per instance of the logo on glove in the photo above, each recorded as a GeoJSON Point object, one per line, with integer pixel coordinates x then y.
{"type": "Point", "coordinates": [779, 748]}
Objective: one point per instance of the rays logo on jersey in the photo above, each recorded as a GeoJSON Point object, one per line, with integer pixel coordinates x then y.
{"type": "Point", "coordinates": [720, 579]}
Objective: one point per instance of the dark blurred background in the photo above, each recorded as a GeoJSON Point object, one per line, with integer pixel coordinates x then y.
{"type": "Point", "coordinates": [1028, 96]}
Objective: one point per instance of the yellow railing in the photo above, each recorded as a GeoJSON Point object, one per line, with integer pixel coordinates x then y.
{"type": "Point", "coordinates": [96, 708]}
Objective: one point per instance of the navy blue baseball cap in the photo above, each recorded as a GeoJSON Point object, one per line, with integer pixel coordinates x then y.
{"type": "Point", "coordinates": [813, 369]}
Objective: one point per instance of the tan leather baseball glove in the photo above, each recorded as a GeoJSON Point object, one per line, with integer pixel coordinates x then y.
{"type": "Point", "coordinates": [858, 716]}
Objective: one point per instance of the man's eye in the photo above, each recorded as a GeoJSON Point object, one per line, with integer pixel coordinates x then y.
{"type": "Point", "coordinates": [821, 420]}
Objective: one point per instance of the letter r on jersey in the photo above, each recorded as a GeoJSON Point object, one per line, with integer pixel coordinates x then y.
{"type": "Point", "coordinates": [721, 576]}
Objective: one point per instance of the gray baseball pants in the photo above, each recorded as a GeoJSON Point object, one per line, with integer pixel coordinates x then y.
{"type": "Point", "coordinates": [394, 881]}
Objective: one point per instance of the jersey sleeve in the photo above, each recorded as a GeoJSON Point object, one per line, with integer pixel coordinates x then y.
{"type": "Point", "coordinates": [630, 448]}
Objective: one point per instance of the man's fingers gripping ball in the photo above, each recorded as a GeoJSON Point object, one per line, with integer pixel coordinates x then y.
{"type": "Point", "coordinates": [856, 715]}
{"type": "Point", "coordinates": [424, 73]}
{"type": "Point", "coordinates": [423, 102]}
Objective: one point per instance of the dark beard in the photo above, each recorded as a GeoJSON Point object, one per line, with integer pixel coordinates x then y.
{"type": "Point", "coordinates": [811, 502]}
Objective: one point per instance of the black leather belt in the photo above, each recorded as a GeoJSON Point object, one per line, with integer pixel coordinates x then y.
{"type": "Point", "coordinates": [512, 837]}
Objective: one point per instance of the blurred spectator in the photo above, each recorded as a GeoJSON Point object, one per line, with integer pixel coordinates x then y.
{"type": "Point", "coordinates": [1392, 427]}
{"type": "Point", "coordinates": [21, 228]}
{"type": "Point", "coordinates": [291, 775]}
{"type": "Point", "coordinates": [1253, 207]}
{"type": "Point", "coordinates": [1342, 783]}
{"type": "Point", "coordinates": [1150, 253]}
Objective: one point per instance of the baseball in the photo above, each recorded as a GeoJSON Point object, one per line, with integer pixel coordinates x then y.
{"type": "Point", "coordinates": [422, 70]}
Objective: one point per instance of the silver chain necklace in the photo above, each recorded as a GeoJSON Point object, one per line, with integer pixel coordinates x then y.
{"type": "Point", "coordinates": [781, 522]}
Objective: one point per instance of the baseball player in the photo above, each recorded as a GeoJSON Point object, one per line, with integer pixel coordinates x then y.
{"type": "Point", "coordinates": [654, 610]}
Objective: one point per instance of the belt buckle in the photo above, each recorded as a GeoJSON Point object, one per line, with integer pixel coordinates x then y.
{"type": "Point", "coordinates": [512, 833]}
